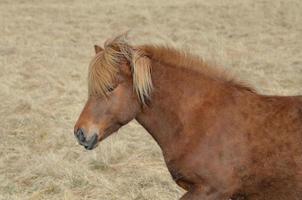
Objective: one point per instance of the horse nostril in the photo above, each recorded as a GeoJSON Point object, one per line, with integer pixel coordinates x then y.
{"type": "Point", "coordinates": [80, 135]}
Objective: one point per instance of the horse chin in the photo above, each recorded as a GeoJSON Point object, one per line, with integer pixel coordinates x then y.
{"type": "Point", "coordinates": [104, 136]}
{"type": "Point", "coordinates": [92, 142]}
{"type": "Point", "coordinates": [92, 147]}
{"type": "Point", "coordinates": [97, 138]}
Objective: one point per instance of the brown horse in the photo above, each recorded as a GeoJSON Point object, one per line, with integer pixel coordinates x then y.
{"type": "Point", "coordinates": [220, 139]}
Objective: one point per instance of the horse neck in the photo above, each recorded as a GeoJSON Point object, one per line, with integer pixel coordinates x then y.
{"type": "Point", "coordinates": [175, 89]}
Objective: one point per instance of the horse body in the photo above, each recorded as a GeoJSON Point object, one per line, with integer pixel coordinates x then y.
{"type": "Point", "coordinates": [219, 138]}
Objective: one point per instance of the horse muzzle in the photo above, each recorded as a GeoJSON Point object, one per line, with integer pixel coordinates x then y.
{"type": "Point", "coordinates": [89, 143]}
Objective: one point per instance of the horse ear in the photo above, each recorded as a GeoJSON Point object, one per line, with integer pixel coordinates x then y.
{"type": "Point", "coordinates": [97, 49]}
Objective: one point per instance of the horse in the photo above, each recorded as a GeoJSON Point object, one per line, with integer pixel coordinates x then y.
{"type": "Point", "coordinates": [220, 138]}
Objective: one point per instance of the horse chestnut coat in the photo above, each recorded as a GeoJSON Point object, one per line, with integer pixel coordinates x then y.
{"type": "Point", "coordinates": [220, 139]}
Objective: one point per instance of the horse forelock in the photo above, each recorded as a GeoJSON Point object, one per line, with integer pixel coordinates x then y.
{"type": "Point", "coordinates": [105, 65]}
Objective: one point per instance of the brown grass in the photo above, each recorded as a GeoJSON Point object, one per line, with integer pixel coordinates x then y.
{"type": "Point", "coordinates": [45, 49]}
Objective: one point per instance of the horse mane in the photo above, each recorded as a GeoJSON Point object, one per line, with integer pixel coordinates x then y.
{"type": "Point", "coordinates": [183, 59]}
{"type": "Point", "coordinates": [105, 66]}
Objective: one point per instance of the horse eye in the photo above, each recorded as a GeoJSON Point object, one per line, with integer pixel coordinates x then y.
{"type": "Point", "coordinates": [110, 89]}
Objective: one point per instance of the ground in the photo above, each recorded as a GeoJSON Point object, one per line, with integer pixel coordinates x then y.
{"type": "Point", "coordinates": [45, 49]}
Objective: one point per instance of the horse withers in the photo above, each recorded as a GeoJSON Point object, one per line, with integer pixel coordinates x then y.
{"type": "Point", "coordinates": [220, 139]}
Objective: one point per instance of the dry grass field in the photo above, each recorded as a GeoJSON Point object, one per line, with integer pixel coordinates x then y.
{"type": "Point", "coordinates": [45, 49]}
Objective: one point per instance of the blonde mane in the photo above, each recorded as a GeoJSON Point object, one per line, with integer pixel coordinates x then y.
{"type": "Point", "coordinates": [105, 66]}
{"type": "Point", "coordinates": [182, 59]}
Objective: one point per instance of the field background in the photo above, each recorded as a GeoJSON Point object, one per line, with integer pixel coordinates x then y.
{"type": "Point", "coordinates": [45, 48]}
